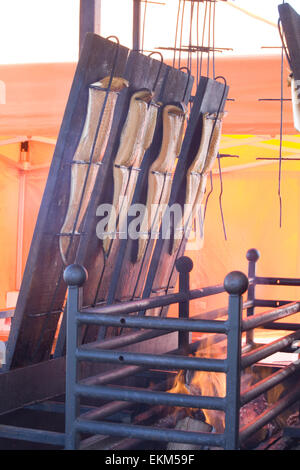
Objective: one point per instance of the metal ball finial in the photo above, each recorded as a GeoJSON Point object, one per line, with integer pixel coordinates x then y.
{"type": "Point", "coordinates": [253, 255]}
{"type": "Point", "coordinates": [236, 283]}
{"type": "Point", "coordinates": [75, 275]}
{"type": "Point", "coordinates": [184, 264]}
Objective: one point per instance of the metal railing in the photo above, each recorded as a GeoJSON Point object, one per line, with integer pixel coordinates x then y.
{"type": "Point", "coordinates": [145, 327]}
{"type": "Point", "coordinates": [128, 364]}
{"type": "Point", "coordinates": [119, 316]}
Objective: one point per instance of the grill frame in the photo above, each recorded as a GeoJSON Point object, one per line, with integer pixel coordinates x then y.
{"type": "Point", "coordinates": [235, 284]}
{"type": "Point", "coordinates": [123, 398]}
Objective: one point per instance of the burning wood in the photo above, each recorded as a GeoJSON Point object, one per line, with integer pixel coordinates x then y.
{"type": "Point", "coordinates": [191, 425]}
{"type": "Point", "coordinates": [203, 383]}
{"type": "Point", "coordinates": [184, 420]}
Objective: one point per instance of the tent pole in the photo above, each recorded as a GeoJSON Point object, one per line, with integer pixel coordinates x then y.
{"type": "Point", "coordinates": [90, 19]}
{"type": "Point", "coordinates": [24, 160]}
{"type": "Point", "coordinates": [136, 29]}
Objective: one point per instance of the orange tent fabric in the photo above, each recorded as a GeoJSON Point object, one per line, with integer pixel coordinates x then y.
{"type": "Point", "coordinates": [37, 95]}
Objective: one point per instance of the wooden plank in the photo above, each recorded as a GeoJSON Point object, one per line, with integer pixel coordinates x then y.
{"type": "Point", "coordinates": [104, 272]}
{"type": "Point", "coordinates": [45, 380]}
{"type": "Point", "coordinates": [131, 273]}
{"type": "Point", "coordinates": [27, 385]}
{"type": "Point", "coordinates": [43, 289]}
{"type": "Point", "coordinates": [106, 276]}
{"type": "Point", "coordinates": [141, 72]}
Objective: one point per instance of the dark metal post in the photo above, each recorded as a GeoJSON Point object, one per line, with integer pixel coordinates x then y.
{"type": "Point", "coordinates": [136, 26]}
{"type": "Point", "coordinates": [236, 283]}
{"type": "Point", "coordinates": [252, 256]}
{"type": "Point", "coordinates": [75, 276]}
{"type": "Point", "coordinates": [184, 266]}
{"type": "Point", "coordinates": [90, 19]}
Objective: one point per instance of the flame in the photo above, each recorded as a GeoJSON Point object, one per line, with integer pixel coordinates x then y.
{"type": "Point", "coordinates": [204, 383]}
{"type": "Point", "coordinates": [212, 384]}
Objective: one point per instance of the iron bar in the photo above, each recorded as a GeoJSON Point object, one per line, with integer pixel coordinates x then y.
{"type": "Point", "coordinates": [107, 410]}
{"type": "Point", "coordinates": [32, 435]}
{"type": "Point", "coordinates": [123, 372]}
{"type": "Point", "coordinates": [152, 360]}
{"type": "Point", "coordinates": [126, 444]}
{"type": "Point", "coordinates": [133, 306]}
{"type": "Point", "coordinates": [72, 366]}
{"type": "Point", "coordinates": [117, 444]}
{"type": "Point", "coordinates": [206, 292]}
{"type": "Point", "coordinates": [266, 317]}
{"type": "Point", "coordinates": [169, 324]}
{"type": "Point", "coordinates": [184, 266]}
{"type": "Point", "coordinates": [236, 283]}
{"type": "Point", "coordinates": [212, 314]}
{"type": "Point", "coordinates": [148, 397]}
{"type": "Point", "coordinates": [267, 350]}
{"type": "Point", "coordinates": [149, 433]}
{"type": "Point", "coordinates": [269, 382]}
{"type": "Point", "coordinates": [252, 256]}
{"type": "Point", "coordinates": [112, 375]}
{"type": "Point", "coordinates": [272, 281]}
{"type": "Point", "coordinates": [125, 339]}
{"type": "Point", "coordinates": [282, 326]}
{"type": "Point", "coordinates": [270, 303]}
{"type": "Point", "coordinates": [110, 408]}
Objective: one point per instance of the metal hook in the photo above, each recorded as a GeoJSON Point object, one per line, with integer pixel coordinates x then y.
{"type": "Point", "coordinates": [115, 60]}
{"type": "Point", "coordinates": [188, 80]}
{"type": "Point", "coordinates": [220, 171]}
{"type": "Point", "coordinates": [219, 163]}
{"type": "Point", "coordinates": [160, 67]}
{"type": "Point", "coordinates": [114, 37]}
{"type": "Point", "coordinates": [283, 43]}
{"type": "Point", "coordinates": [224, 91]}
{"type": "Point", "coordinates": [209, 194]}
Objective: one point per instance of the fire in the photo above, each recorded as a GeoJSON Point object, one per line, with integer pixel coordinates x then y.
{"type": "Point", "coordinates": [213, 384]}
{"type": "Point", "coordinates": [205, 384]}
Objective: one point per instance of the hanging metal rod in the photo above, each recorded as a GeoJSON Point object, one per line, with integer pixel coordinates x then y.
{"type": "Point", "coordinates": [279, 158]}
{"type": "Point", "coordinates": [208, 1]}
{"type": "Point", "coordinates": [196, 49]}
{"type": "Point", "coordinates": [274, 99]}
{"type": "Point", "coordinates": [154, 3]}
